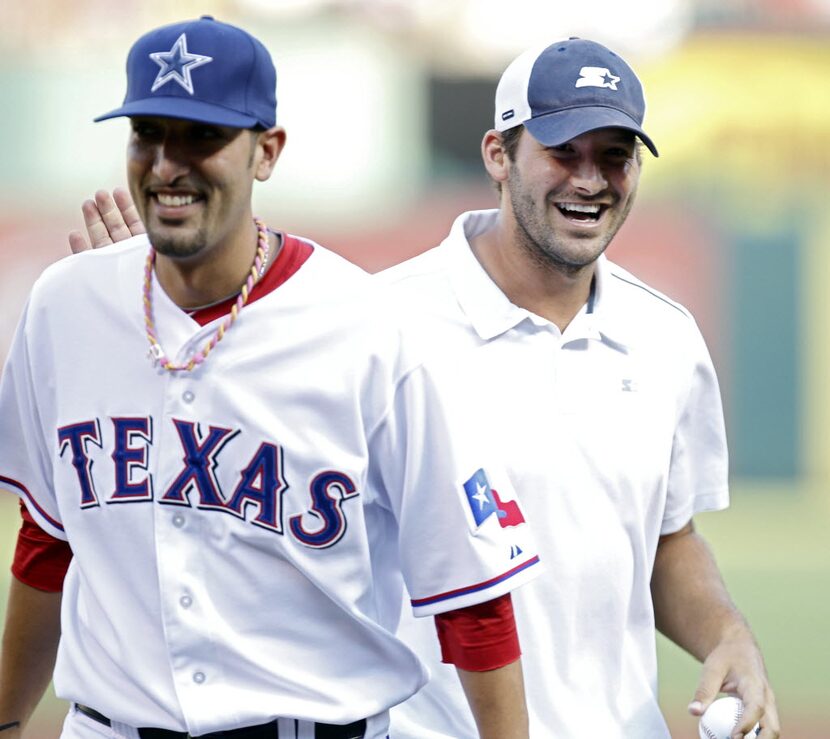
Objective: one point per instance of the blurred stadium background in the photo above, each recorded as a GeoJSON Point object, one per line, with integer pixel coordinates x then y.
{"type": "Point", "coordinates": [385, 102]}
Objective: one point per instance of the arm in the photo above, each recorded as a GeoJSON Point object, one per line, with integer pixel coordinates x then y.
{"type": "Point", "coordinates": [108, 218]}
{"type": "Point", "coordinates": [497, 700]}
{"type": "Point", "coordinates": [30, 642]}
{"type": "Point", "coordinates": [483, 644]}
{"type": "Point", "coordinates": [693, 608]}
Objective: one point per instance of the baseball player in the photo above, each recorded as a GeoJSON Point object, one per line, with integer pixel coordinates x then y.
{"type": "Point", "coordinates": [233, 430]}
{"type": "Point", "coordinates": [605, 402]}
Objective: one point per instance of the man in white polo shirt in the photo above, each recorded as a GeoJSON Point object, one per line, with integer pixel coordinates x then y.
{"type": "Point", "coordinates": [602, 396]}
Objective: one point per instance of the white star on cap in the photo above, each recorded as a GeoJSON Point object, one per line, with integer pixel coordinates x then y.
{"type": "Point", "coordinates": [177, 64]}
{"type": "Point", "coordinates": [611, 80]}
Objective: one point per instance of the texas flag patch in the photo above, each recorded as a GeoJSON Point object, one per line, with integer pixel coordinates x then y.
{"type": "Point", "coordinates": [484, 501]}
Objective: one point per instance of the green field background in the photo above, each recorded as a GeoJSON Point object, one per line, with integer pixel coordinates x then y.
{"type": "Point", "coordinates": [774, 550]}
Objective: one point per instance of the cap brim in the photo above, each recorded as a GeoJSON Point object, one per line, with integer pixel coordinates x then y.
{"type": "Point", "coordinates": [181, 108]}
{"type": "Point", "coordinates": [556, 128]}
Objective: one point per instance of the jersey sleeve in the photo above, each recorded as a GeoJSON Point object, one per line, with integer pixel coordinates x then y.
{"type": "Point", "coordinates": [463, 538]}
{"type": "Point", "coordinates": [24, 459]}
{"type": "Point", "coordinates": [40, 560]}
{"type": "Point", "coordinates": [698, 475]}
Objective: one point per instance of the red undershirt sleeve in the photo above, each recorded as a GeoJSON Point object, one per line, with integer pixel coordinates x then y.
{"type": "Point", "coordinates": [40, 560]}
{"type": "Point", "coordinates": [480, 637]}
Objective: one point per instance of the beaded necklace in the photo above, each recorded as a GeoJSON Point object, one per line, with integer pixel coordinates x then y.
{"type": "Point", "coordinates": [254, 275]}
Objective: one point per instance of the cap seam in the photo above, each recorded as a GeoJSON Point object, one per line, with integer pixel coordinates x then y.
{"type": "Point", "coordinates": [251, 43]}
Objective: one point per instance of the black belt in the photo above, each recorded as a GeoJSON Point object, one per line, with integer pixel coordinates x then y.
{"type": "Point", "coordinates": [355, 730]}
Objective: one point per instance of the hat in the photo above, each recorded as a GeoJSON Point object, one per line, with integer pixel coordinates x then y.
{"type": "Point", "coordinates": [569, 88]}
{"type": "Point", "coordinates": [201, 70]}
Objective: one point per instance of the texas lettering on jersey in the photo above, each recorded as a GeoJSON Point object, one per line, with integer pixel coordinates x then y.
{"type": "Point", "coordinates": [257, 496]}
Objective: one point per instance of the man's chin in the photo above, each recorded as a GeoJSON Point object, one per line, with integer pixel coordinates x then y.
{"type": "Point", "coordinates": [175, 239]}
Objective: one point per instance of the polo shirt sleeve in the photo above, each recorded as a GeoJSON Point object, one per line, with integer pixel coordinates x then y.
{"type": "Point", "coordinates": [463, 538]}
{"type": "Point", "coordinates": [24, 459]}
{"type": "Point", "coordinates": [698, 475]}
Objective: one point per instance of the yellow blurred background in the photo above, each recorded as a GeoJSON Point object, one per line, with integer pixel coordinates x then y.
{"type": "Point", "coordinates": [385, 102]}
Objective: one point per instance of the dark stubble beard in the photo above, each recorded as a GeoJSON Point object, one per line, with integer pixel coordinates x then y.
{"type": "Point", "coordinates": [537, 238]}
{"type": "Point", "coordinates": [178, 246]}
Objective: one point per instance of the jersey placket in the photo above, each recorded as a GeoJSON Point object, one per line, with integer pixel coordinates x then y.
{"type": "Point", "coordinates": [183, 537]}
{"type": "Point", "coordinates": [184, 551]}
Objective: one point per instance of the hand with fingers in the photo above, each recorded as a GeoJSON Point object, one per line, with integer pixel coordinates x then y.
{"type": "Point", "coordinates": [108, 219]}
{"type": "Point", "coordinates": [736, 667]}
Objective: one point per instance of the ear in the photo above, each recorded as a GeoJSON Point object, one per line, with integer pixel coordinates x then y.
{"type": "Point", "coordinates": [269, 146]}
{"type": "Point", "coordinates": [496, 161]}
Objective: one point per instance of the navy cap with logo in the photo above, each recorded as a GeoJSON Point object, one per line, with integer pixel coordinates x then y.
{"type": "Point", "coordinates": [201, 70]}
{"type": "Point", "coordinates": [568, 88]}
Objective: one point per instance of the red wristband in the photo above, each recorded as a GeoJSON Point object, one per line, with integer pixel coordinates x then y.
{"type": "Point", "coordinates": [480, 637]}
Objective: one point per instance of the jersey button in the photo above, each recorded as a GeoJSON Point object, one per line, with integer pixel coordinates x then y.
{"type": "Point", "coordinates": [198, 677]}
{"type": "Point", "coordinates": [188, 396]}
{"type": "Point", "coordinates": [185, 601]}
{"type": "Point", "coordinates": [178, 520]}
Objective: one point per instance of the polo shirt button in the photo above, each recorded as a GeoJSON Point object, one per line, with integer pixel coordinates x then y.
{"type": "Point", "coordinates": [178, 520]}
{"type": "Point", "coordinates": [186, 601]}
{"type": "Point", "coordinates": [198, 677]}
{"type": "Point", "coordinates": [188, 396]}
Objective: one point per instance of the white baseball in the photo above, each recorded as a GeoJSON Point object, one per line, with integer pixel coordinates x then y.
{"type": "Point", "coordinates": [721, 718]}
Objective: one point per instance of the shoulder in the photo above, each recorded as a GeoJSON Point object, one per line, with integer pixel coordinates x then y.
{"type": "Point", "coordinates": [421, 268]}
{"type": "Point", "coordinates": [328, 281]}
{"type": "Point", "coordinates": [639, 296]}
{"type": "Point", "coordinates": [325, 263]}
{"type": "Point", "coordinates": [364, 313]}
{"type": "Point", "coordinates": [93, 270]}
{"type": "Point", "coordinates": [423, 282]}
{"type": "Point", "coordinates": [650, 320]}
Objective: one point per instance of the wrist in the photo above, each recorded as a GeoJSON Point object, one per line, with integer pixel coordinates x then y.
{"type": "Point", "coordinates": [736, 630]}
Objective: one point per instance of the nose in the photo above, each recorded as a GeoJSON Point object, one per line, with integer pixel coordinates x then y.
{"type": "Point", "coordinates": [587, 177]}
{"type": "Point", "coordinates": [169, 162]}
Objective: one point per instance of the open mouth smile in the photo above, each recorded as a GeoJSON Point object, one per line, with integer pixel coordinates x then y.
{"type": "Point", "coordinates": [584, 213]}
{"type": "Point", "coordinates": [175, 201]}
{"type": "Point", "coordinates": [174, 204]}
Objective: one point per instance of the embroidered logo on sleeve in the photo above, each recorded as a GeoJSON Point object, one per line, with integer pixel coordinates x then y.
{"type": "Point", "coordinates": [484, 502]}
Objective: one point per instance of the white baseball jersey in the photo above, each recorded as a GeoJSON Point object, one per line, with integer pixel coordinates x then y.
{"type": "Point", "coordinates": [613, 435]}
{"type": "Point", "coordinates": [239, 531]}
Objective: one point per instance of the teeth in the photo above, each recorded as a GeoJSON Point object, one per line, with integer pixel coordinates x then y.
{"type": "Point", "coordinates": [175, 201]}
{"type": "Point", "coordinates": [579, 207]}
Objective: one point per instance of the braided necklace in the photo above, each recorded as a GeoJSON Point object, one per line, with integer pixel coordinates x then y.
{"type": "Point", "coordinates": [156, 353]}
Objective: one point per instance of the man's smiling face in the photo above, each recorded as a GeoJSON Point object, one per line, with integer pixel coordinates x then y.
{"type": "Point", "coordinates": [569, 201]}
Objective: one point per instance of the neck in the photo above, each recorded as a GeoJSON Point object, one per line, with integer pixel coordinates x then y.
{"type": "Point", "coordinates": [212, 275]}
{"type": "Point", "coordinates": [554, 294]}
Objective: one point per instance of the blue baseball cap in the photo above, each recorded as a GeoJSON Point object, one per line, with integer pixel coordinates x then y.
{"type": "Point", "coordinates": [568, 88]}
{"type": "Point", "coordinates": [201, 70]}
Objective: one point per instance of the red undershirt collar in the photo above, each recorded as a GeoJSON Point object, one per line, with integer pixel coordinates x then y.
{"type": "Point", "coordinates": [293, 254]}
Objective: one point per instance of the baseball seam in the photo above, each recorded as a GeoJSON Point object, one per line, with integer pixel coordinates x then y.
{"type": "Point", "coordinates": [738, 713]}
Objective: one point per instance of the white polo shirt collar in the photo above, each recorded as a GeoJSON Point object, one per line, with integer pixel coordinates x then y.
{"type": "Point", "coordinates": [490, 311]}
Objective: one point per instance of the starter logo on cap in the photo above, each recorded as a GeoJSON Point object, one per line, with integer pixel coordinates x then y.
{"type": "Point", "coordinates": [177, 64]}
{"type": "Point", "coordinates": [597, 77]}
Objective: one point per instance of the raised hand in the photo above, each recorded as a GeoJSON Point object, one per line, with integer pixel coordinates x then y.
{"type": "Point", "coordinates": [108, 218]}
